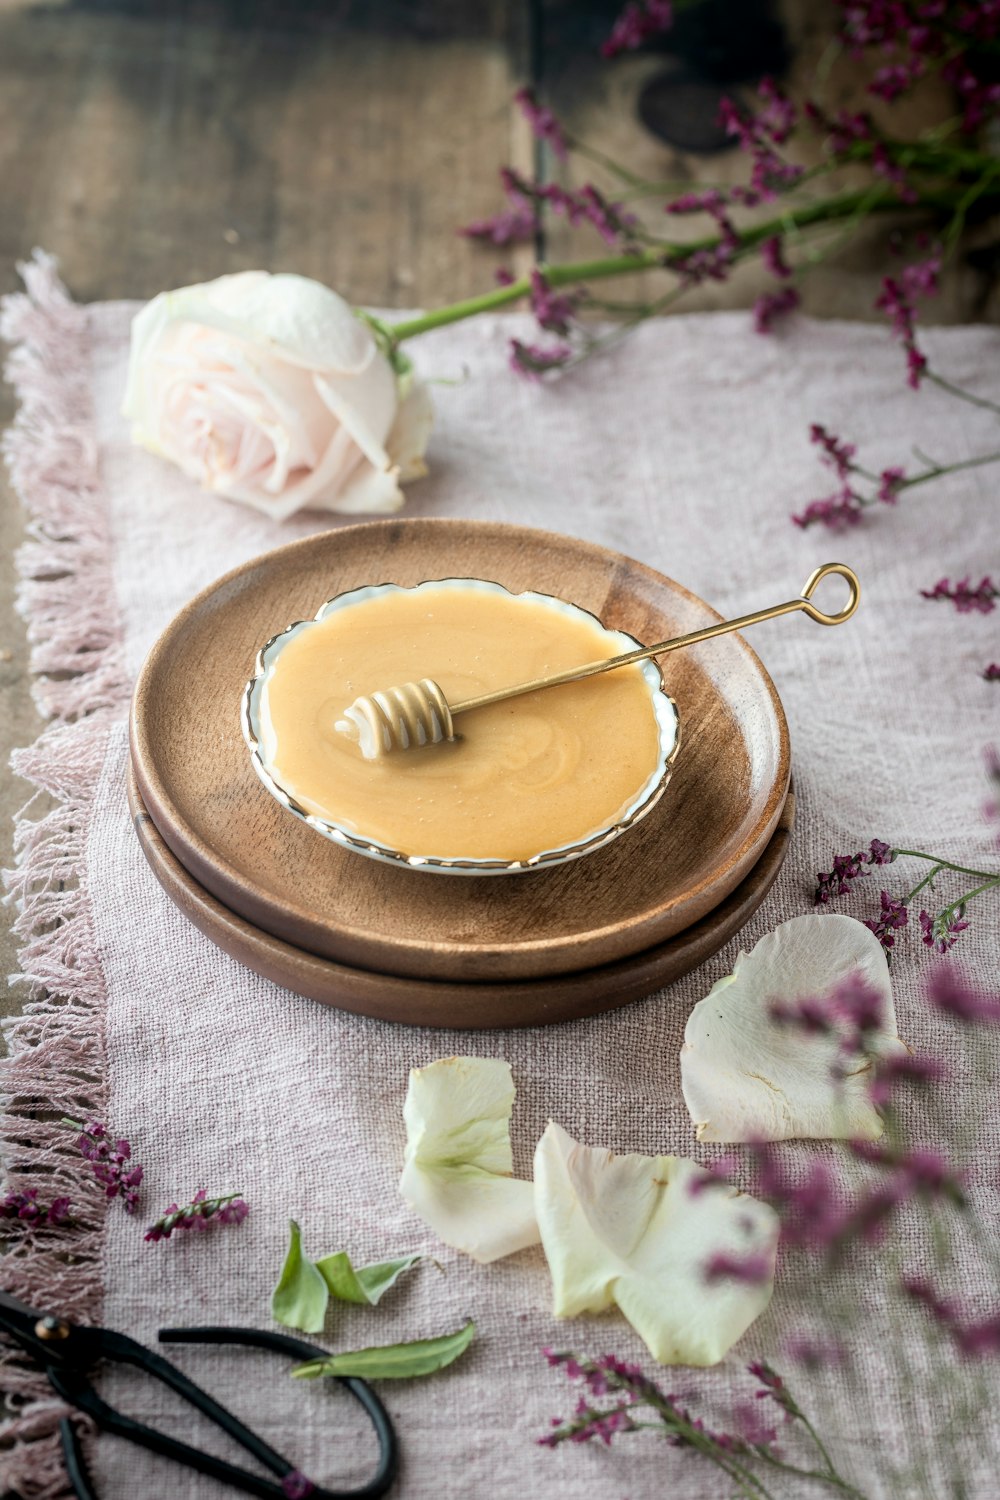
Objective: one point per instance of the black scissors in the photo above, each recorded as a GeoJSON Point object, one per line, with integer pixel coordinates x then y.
{"type": "Point", "coordinates": [67, 1351]}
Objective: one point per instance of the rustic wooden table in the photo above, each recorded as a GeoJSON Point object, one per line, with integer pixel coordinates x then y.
{"type": "Point", "coordinates": [152, 144]}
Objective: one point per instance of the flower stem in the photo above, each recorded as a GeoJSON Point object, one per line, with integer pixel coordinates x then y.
{"type": "Point", "coordinates": [963, 395]}
{"type": "Point", "coordinates": [842, 206]}
{"type": "Point", "coordinates": [971, 895]}
{"type": "Point", "coordinates": [965, 463]}
{"type": "Point", "coordinates": [946, 864]}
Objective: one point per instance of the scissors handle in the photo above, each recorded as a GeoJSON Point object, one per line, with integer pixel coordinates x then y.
{"type": "Point", "coordinates": [73, 1385]}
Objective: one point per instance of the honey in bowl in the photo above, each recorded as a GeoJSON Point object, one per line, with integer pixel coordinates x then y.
{"type": "Point", "coordinates": [542, 772]}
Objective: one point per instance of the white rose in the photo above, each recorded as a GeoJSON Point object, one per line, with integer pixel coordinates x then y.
{"type": "Point", "coordinates": [271, 390]}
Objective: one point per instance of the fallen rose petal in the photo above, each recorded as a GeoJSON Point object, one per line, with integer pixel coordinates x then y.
{"type": "Point", "coordinates": [629, 1230]}
{"type": "Point", "coordinates": [458, 1163]}
{"type": "Point", "coordinates": [747, 1077]}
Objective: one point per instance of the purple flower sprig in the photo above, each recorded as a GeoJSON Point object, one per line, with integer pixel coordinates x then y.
{"type": "Point", "coordinates": [638, 1404]}
{"type": "Point", "coordinates": [534, 361]}
{"type": "Point", "coordinates": [228, 1208]}
{"type": "Point", "coordinates": [543, 122]}
{"type": "Point", "coordinates": [939, 930]}
{"type": "Point", "coordinates": [638, 22]}
{"type": "Point", "coordinates": [847, 867]}
{"type": "Point", "coordinates": [967, 597]}
{"type": "Point", "coordinates": [110, 1160]}
{"type": "Point", "coordinates": [24, 1208]}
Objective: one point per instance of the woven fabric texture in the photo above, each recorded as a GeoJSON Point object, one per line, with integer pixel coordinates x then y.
{"type": "Point", "coordinates": [686, 446]}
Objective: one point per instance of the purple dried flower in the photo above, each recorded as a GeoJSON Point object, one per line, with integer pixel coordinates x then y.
{"type": "Point", "coordinates": [754, 1269]}
{"type": "Point", "coordinates": [111, 1162]}
{"type": "Point", "coordinates": [553, 310]}
{"type": "Point", "coordinates": [889, 1071]}
{"type": "Point", "coordinates": [896, 78]}
{"type": "Point", "coordinates": [533, 361]}
{"type": "Point", "coordinates": [710, 264]}
{"type": "Point", "coordinates": [772, 254]}
{"type": "Point", "coordinates": [758, 134]}
{"type": "Point", "coordinates": [837, 454]}
{"type": "Point", "coordinates": [893, 916]}
{"type": "Point", "coordinates": [972, 1339]}
{"type": "Point", "coordinates": [880, 853]}
{"type": "Point", "coordinates": [941, 930]}
{"type": "Point", "coordinates": [837, 512]}
{"type": "Point", "coordinates": [815, 1354]}
{"type": "Point", "coordinates": [640, 20]}
{"type": "Point", "coordinates": [845, 129]}
{"type": "Point", "coordinates": [196, 1215]}
{"type": "Point", "coordinates": [511, 226]}
{"type": "Point", "coordinates": [991, 672]}
{"type": "Point", "coordinates": [896, 301]}
{"type": "Point", "coordinates": [25, 1208]}
{"type": "Point", "coordinates": [891, 481]}
{"type": "Point", "coordinates": [773, 306]}
{"type": "Point", "coordinates": [710, 202]}
{"type": "Point", "coordinates": [542, 121]}
{"type": "Point", "coordinates": [295, 1485]}
{"type": "Point", "coordinates": [716, 1174]}
{"type": "Point", "coordinates": [810, 1215]}
{"type": "Point", "coordinates": [752, 1427]}
{"type": "Point", "coordinates": [851, 1011]}
{"type": "Point", "coordinates": [966, 597]}
{"type": "Point", "coordinates": [836, 882]}
{"type": "Point", "coordinates": [233, 1212]}
{"type": "Point", "coordinates": [949, 992]}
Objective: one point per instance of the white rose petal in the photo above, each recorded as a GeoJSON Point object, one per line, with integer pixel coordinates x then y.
{"type": "Point", "coordinates": [410, 433]}
{"type": "Point", "coordinates": [458, 1162]}
{"type": "Point", "coordinates": [271, 391]}
{"type": "Point", "coordinates": [747, 1077]}
{"type": "Point", "coordinates": [630, 1230]}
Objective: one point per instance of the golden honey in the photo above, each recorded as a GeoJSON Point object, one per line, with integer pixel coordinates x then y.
{"type": "Point", "coordinates": [534, 773]}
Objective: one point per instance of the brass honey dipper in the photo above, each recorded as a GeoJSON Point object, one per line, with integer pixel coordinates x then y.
{"type": "Point", "coordinates": [418, 713]}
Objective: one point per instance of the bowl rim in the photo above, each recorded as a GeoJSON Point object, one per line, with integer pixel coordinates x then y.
{"type": "Point", "coordinates": [638, 807]}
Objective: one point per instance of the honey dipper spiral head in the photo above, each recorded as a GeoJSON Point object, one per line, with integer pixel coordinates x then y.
{"type": "Point", "coordinates": [415, 714]}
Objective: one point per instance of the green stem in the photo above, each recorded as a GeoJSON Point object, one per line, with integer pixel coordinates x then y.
{"type": "Point", "coordinates": [956, 390]}
{"type": "Point", "coordinates": [827, 1476]}
{"type": "Point", "coordinates": [939, 469]}
{"type": "Point", "coordinates": [971, 895]}
{"type": "Point", "coordinates": [825, 1456]}
{"type": "Point", "coordinates": [946, 864]}
{"type": "Point", "coordinates": [841, 206]}
{"type": "Point", "coordinates": [927, 880]}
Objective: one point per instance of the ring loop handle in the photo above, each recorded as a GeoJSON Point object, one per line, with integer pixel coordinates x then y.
{"type": "Point", "coordinates": [841, 570]}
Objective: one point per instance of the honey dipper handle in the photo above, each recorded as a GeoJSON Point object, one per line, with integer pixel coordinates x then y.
{"type": "Point", "coordinates": [592, 669]}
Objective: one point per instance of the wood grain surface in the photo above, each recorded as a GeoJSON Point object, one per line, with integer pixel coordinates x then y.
{"type": "Point", "coordinates": [475, 1006]}
{"type": "Point", "coordinates": [196, 779]}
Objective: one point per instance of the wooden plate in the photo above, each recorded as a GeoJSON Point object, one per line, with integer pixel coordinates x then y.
{"type": "Point", "coordinates": [421, 1002]}
{"type": "Point", "coordinates": [194, 774]}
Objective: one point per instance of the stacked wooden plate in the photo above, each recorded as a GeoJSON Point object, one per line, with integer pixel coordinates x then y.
{"type": "Point", "coordinates": [421, 948]}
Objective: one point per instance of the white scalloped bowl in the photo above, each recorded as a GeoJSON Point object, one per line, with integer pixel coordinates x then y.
{"type": "Point", "coordinates": [645, 799]}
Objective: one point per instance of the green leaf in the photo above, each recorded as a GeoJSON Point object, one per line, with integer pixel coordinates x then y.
{"type": "Point", "coordinates": [394, 1361]}
{"type": "Point", "coordinates": [300, 1298]}
{"type": "Point", "coordinates": [366, 1285]}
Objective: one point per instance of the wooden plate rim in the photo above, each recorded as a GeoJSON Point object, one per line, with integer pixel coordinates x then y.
{"type": "Point", "coordinates": [224, 881]}
{"type": "Point", "coordinates": [419, 1002]}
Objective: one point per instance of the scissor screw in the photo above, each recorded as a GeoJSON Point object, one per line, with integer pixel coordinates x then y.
{"type": "Point", "coordinates": [51, 1328]}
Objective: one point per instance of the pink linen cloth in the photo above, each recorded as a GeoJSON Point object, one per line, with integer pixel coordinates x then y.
{"type": "Point", "coordinates": [687, 446]}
